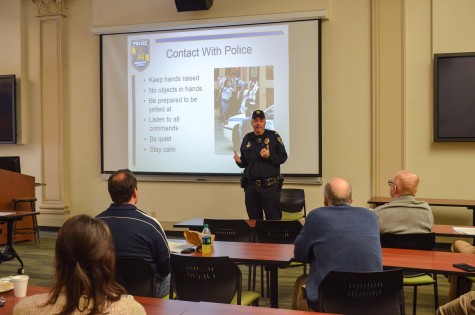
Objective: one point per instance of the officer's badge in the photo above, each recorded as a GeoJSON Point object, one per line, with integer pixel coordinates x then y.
{"type": "Point", "coordinates": [266, 141]}
{"type": "Point", "coordinates": [248, 145]}
{"type": "Point", "coordinates": [140, 53]}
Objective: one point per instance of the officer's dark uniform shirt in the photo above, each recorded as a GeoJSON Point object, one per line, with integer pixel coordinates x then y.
{"type": "Point", "coordinates": [257, 167]}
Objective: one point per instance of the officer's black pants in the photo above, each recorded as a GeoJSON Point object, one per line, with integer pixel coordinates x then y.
{"type": "Point", "coordinates": [263, 198]}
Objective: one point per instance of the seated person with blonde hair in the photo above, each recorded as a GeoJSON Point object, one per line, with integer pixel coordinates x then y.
{"type": "Point", "coordinates": [464, 305]}
{"type": "Point", "coordinates": [460, 285]}
{"type": "Point", "coordinates": [84, 280]}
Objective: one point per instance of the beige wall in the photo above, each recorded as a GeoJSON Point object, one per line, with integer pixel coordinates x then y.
{"type": "Point", "coordinates": [372, 66]}
{"type": "Point", "coordinates": [447, 169]}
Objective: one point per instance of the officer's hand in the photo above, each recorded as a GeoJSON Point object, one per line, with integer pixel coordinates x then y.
{"type": "Point", "coordinates": [265, 152]}
{"type": "Point", "coordinates": [237, 158]}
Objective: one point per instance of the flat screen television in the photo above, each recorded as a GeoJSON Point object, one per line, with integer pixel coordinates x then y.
{"type": "Point", "coordinates": [454, 97]}
{"type": "Point", "coordinates": [10, 163]}
{"type": "Point", "coordinates": [8, 126]}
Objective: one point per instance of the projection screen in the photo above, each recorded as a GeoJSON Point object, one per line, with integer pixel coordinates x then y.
{"type": "Point", "coordinates": [161, 97]}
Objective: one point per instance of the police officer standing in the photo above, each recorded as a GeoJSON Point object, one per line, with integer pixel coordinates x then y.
{"type": "Point", "coordinates": [262, 153]}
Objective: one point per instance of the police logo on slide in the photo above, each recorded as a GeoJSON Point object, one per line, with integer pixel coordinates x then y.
{"type": "Point", "coordinates": [140, 53]}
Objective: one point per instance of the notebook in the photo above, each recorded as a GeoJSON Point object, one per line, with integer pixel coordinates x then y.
{"type": "Point", "coordinates": [464, 230]}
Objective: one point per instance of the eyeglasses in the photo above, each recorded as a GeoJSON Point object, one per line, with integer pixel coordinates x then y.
{"type": "Point", "coordinates": [390, 182]}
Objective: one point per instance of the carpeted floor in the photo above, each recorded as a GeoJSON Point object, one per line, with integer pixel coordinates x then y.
{"type": "Point", "coordinates": [38, 264]}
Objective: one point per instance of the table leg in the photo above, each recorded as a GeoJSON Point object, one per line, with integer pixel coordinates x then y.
{"type": "Point", "coordinates": [473, 214]}
{"type": "Point", "coordinates": [9, 250]}
{"type": "Point", "coordinates": [274, 286]}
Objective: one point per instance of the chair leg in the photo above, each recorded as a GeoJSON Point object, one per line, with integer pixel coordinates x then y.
{"type": "Point", "coordinates": [262, 281]}
{"type": "Point", "coordinates": [36, 229]}
{"type": "Point", "coordinates": [436, 293]}
{"type": "Point", "coordinates": [267, 282]}
{"type": "Point", "coordinates": [249, 277]}
{"type": "Point", "coordinates": [402, 305]}
{"type": "Point", "coordinates": [414, 301]}
{"type": "Point", "coordinates": [254, 267]}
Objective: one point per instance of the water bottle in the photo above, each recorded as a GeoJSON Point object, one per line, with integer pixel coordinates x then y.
{"type": "Point", "coordinates": [206, 240]}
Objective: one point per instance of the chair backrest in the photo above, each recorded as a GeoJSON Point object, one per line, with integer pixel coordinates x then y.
{"type": "Point", "coordinates": [136, 276]}
{"type": "Point", "coordinates": [229, 230]}
{"type": "Point", "coordinates": [282, 232]}
{"type": "Point", "coordinates": [292, 201]}
{"type": "Point", "coordinates": [208, 279]}
{"type": "Point", "coordinates": [365, 293]}
{"type": "Point", "coordinates": [422, 241]}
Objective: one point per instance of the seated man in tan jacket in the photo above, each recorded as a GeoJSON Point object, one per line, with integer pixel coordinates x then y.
{"type": "Point", "coordinates": [404, 214]}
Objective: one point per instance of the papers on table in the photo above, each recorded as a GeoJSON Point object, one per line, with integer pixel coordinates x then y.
{"type": "Point", "coordinates": [464, 230]}
{"type": "Point", "coordinates": [176, 247]}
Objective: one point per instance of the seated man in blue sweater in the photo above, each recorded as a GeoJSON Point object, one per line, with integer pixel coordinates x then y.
{"type": "Point", "coordinates": [342, 237]}
{"type": "Point", "coordinates": [133, 231]}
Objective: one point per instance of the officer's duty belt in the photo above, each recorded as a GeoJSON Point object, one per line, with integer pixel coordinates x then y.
{"type": "Point", "coordinates": [267, 182]}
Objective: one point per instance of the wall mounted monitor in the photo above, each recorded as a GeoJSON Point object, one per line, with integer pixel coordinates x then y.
{"type": "Point", "coordinates": [8, 129]}
{"type": "Point", "coordinates": [454, 97]}
{"type": "Point", "coordinates": [10, 163]}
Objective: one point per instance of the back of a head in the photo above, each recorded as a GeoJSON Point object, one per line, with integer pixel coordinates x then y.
{"type": "Point", "coordinates": [121, 185]}
{"type": "Point", "coordinates": [85, 241]}
{"type": "Point", "coordinates": [85, 262]}
{"type": "Point", "coordinates": [407, 182]}
{"type": "Point", "coordinates": [338, 191]}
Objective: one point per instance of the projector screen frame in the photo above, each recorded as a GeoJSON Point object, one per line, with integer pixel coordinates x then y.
{"type": "Point", "coordinates": [239, 21]}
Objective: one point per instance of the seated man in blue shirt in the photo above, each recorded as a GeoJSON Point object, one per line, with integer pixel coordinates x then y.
{"type": "Point", "coordinates": [133, 231]}
{"type": "Point", "coordinates": [342, 237]}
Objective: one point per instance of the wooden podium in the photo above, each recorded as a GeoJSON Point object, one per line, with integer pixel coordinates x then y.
{"type": "Point", "coordinates": [15, 185]}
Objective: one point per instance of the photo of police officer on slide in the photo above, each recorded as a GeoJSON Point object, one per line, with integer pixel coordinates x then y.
{"type": "Point", "coordinates": [262, 153]}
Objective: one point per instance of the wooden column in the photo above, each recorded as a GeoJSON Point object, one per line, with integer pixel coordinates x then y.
{"type": "Point", "coordinates": [388, 104]}
{"type": "Point", "coordinates": [54, 206]}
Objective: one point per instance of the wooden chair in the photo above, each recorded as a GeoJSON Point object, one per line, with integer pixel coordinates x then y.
{"type": "Point", "coordinates": [208, 279]}
{"type": "Point", "coordinates": [292, 204]}
{"type": "Point", "coordinates": [365, 293]}
{"type": "Point", "coordinates": [421, 241]}
{"type": "Point", "coordinates": [136, 275]}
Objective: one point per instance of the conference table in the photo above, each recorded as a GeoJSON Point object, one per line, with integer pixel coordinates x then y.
{"type": "Point", "coordinates": [10, 218]}
{"type": "Point", "coordinates": [269, 254]}
{"type": "Point", "coordinates": [464, 203]}
{"type": "Point", "coordinates": [196, 224]}
{"type": "Point", "coordinates": [278, 255]}
{"type": "Point", "coordinates": [170, 307]}
{"type": "Point", "coordinates": [448, 230]}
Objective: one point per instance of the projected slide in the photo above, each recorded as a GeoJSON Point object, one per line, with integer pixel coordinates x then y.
{"type": "Point", "coordinates": [184, 87]}
{"type": "Point", "coordinates": [178, 102]}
